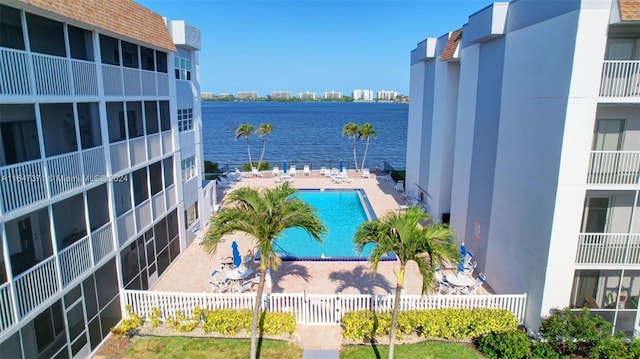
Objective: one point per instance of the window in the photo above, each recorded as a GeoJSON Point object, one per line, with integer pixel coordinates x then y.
{"type": "Point", "coordinates": [185, 119]}
{"type": "Point", "coordinates": [191, 214]}
{"type": "Point", "coordinates": [109, 50]}
{"type": "Point", "coordinates": [151, 116]}
{"type": "Point", "coordinates": [11, 28]}
{"type": "Point", "coordinates": [80, 43]}
{"type": "Point", "coordinates": [188, 168]}
{"type": "Point", "coordinates": [165, 119]}
{"type": "Point", "coordinates": [46, 36]}
{"type": "Point", "coordinates": [182, 68]}
{"type": "Point", "coordinates": [129, 55]}
{"type": "Point", "coordinates": [161, 61]}
{"type": "Point", "coordinates": [146, 57]}
{"type": "Point", "coordinates": [167, 165]}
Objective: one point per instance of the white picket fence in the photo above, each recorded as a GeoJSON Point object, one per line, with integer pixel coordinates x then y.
{"type": "Point", "coordinates": [313, 309]}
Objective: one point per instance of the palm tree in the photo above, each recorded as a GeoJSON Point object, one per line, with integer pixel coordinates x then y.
{"type": "Point", "coordinates": [245, 130]}
{"type": "Point", "coordinates": [263, 131]}
{"type": "Point", "coordinates": [366, 131]}
{"type": "Point", "coordinates": [351, 130]}
{"type": "Point", "coordinates": [402, 234]}
{"type": "Point", "coordinates": [264, 215]}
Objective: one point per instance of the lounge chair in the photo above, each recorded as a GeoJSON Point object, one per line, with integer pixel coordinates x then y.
{"type": "Point", "coordinates": [306, 171]}
{"type": "Point", "coordinates": [255, 172]}
{"type": "Point", "coordinates": [366, 173]}
{"type": "Point", "coordinates": [399, 187]}
{"type": "Point", "coordinates": [275, 172]}
{"type": "Point", "coordinates": [246, 286]}
{"type": "Point", "coordinates": [218, 287]}
{"type": "Point", "coordinates": [293, 171]}
{"type": "Point", "coordinates": [323, 170]}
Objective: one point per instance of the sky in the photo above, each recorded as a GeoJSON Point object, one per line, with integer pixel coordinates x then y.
{"type": "Point", "coordinates": [313, 45]}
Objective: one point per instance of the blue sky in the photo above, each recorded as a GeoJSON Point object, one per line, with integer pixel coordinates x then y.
{"type": "Point", "coordinates": [316, 45]}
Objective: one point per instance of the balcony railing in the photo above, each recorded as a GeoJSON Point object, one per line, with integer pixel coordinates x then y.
{"type": "Point", "coordinates": [75, 260]}
{"type": "Point", "coordinates": [6, 308]}
{"type": "Point", "coordinates": [36, 286]}
{"type": "Point", "coordinates": [126, 226]}
{"type": "Point", "coordinates": [101, 243]}
{"type": "Point", "coordinates": [608, 248]}
{"type": "Point", "coordinates": [24, 183]}
{"type": "Point", "coordinates": [614, 167]}
{"type": "Point", "coordinates": [620, 79]}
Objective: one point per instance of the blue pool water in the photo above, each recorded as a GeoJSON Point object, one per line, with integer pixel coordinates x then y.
{"type": "Point", "coordinates": [341, 212]}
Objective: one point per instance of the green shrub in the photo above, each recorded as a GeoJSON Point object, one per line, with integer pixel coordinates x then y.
{"type": "Point", "coordinates": [432, 323]}
{"type": "Point", "coordinates": [513, 344]}
{"type": "Point", "coordinates": [634, 348]}
{"type": "Point", "coordinates": [544, 350]}
{"type": "Point", "coordinates": [210, 167]}
{"type": "Point", "coordinates": [574, 332]}
{"type": "Point", "coordinates": [182, 323]}
{"type": "Point", "coordinates": [128, 324]}
{"type": "Point", "coordinates": [232, 322]}
{"type": "Point", "coordinates": [263, 167]}
{"type": "Point", "coordinates": [155, 317]}
{"type": "Point", "coordinates": [612, 347]}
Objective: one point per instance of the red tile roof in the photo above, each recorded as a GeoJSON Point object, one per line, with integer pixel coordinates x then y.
{"type": "Point", "coordinates": [452, 45]}
{"type": "Point", "coordinates": [629, 10]}
{"type": "Point", "coordinates": [123, 17]}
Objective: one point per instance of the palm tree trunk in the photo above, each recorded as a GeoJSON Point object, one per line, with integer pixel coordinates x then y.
{"type": "Point", "coordinates": [249, 153]}
{"type": "Point", "coordinates": [256, 313]}
{"type": "Point", "coordinates": [366, 149]}
{"type": "Point", "coordinates": [396, 307]}
{"type": "Point", "coordinates": [355, 161]}
{"type": "Point", "coordinates": [264, 146]}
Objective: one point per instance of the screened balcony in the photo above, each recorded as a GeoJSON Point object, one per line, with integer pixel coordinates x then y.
{"type": "Point", "coordinates": [620, 80]}
{"type": "Point", "coordinates": [615, 155]}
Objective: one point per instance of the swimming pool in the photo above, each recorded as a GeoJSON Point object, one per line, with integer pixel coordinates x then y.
{"type": "Point", "coordinates": [341, 211]}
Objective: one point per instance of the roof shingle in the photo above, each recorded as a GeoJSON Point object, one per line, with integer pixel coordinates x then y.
{"type": "Point", "coordinates": [123, 17]}
{"type": "Point", "coordinates": [629, 10]}
{"type": "Point", "coordinates": [452, 45]}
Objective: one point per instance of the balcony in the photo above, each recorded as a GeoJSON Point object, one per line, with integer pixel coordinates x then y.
{"type": "Point", "coordinates": [614, 167]}
{"type": "Point", "coordinates": [25, 183]}
{"type": "Point", "coordinates": [119, 81]}
{"type": "Point", "coordinates": [620, 81]}
{"type": "Point", "coordinates": [608, 248]}
{"type": "Point", "coordinates": [52, 75]}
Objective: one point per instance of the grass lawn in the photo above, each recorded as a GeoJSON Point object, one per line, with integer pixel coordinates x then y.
{"type": "Point", "coordinates": [193, 348]}
{"type": "Point", "coordinates": [426, 350]}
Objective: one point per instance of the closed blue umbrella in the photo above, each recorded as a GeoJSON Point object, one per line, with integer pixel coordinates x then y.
{"type": "Point", "coordinates": [463, 254]}
{"type": "Point", "coordinates": [341, 165]}
{"type": "Point", "coordinates": [284, 166]}
{"type": "Point", "coordinates": [237, 260]}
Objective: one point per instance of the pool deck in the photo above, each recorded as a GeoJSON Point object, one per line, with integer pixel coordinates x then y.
{"type": "Point", "coordinates": [192, 271]}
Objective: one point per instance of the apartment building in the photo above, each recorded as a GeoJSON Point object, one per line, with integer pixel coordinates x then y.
{"type": "Point", "coordinates": [524, 126]}
{"type": "Point", "coordinates": [362, 95]}
{"type": "Point", "coordinates": [385, 95]}
{"type": "Point", "coordinates": [101, 183]}
{"type": "Point", "coordinates": [247, 95]}
{"type": "Point", "coordinates": [332, 95]}
{"type": "Point", "coordinates": [307, 95]}
{"type": "Point", "coordinates": [281, 95]}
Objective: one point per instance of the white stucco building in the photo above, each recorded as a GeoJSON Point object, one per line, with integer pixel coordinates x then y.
{"type": "Point", "coordinates": [362, 95]}
{"type": "Point", "coordinates": [524, 125]}
{"type": "Point", "coordinates": [101, 182]}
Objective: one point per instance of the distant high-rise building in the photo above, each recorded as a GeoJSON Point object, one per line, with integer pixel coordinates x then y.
{"type": "Point", "coordinates": [332, 95]}
{"type": "Point", "coordinates": [207, 95]}
{"type": "Point", "coordinates": [247, 95]}
{"type": "Point", "coordinates": [385, 95]}
{"type": "Point", "coordinates": [362, 95]}
{"type": "Point", "coordinates": [285, 95]}
{"type": "Point", "coordinates": [307, 95]}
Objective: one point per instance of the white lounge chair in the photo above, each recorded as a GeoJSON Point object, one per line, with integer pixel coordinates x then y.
{"type": "Point", "coordinates": [323, 170]}
{"type": "Point", "coordinates": [399, 187]}
{"type": "Point", "coordinates": [255, 172]}
{"type": "Point", "coordinates": [218, 287]}
{"type": "Point", "coordinates": [306, 171]}
{"type": "Point", "coordinates": [366, 173]}
{"type": "Point", "coordinates": [293, 171]}
{"type": "Point", "coordinates": [275, 172]}
{"type": "Point", "coordinates": [246, 286]}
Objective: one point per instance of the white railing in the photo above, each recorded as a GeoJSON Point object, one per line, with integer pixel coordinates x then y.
{"type": "Point", "coordinates": [112, 80]}
{"type": "Point", "coordinates": [614, 167]}
{"type": "Point", "coordinates": [14, 72]}
{"type": "Point", "coordinates": [65, 173]}
{"type": "Point", "coordinates": [154, 146]}
{"type": "Point", "coordinates": [167, 141]}
{"type": "Point", "coordinates": [608, 248]}
{"type": "Point", "coordinates": [36, 285]}
{"type": "Point", "coordinates": [171, 196]}
{"type": "Point", "coordinates": [620, 79]}
{"type": "Point", "coordinates": [148, 83]}
{"type": "Point", "coordinates": [85, 77]}
{"type": "Point", "coordinates": [22, 184]}
{"type": "Point", "coordinates": [6, 308]}
{"type": "Point", "coordinates": [101, 243]}
{"type": "Point", "coordinates": [158, 205]}
{"type": "Point", "coordinates": [163, 84]}
{"type": "Point", "coordinates": [94, 163]}
{"type": "Point", "coordinates": [74, 260]}
{"type": "Point", "coordinates": [143, 214]}
{"type": "Point", "coordinates": [119, 156]}
{"type": "Point", "coordinates": [126, 226]}
{"type": "Point", "coordinates": [138, 150]}
{"type": "Point", "coordinates": [313, 309]}
{"type": "Point", "coordinates": [51, 75]}
{"type": "Point", "coordinates": [131, 82]}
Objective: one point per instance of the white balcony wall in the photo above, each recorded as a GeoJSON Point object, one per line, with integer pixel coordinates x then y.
{"type": "Point", "coordinates": [65, 173]}
{"type": "Point", "coordinates": [85, 77]}
{"type": "Point", "coordinates": [143, 214]}
{"type": "Point", "coordinates": [36, 286]}
{"type": "Point", "coordinates": [163, 84]}
{"type": "Point", "coordinates": [119, 156]}
{"type": "Point", "coordinates": [132, 82]}
{"type": "Point", "coordinates": [112, 80]}
{"type": "Point", "coordinates": [101, 243]}
{"type": "Point", "coordinates": [51, 75]}
{"type": "Point", "coordinates": [148, 83]}
{"type": "Point", "coordinates": [23, 183]}
{"type": "Point", "coordinates": [14, 72]}
{"type": "Point", "coordinates": [126, 226]}
{"type": "Point", "coordinates": [154, 146]}
{"type": "Point", "coordinates": [620, 79]}
{"type": "Point", "coordinates": [138, 150]}
{"type": "Point", "coordinates": [74, 260]}
{"type": "Point", "coordinates": [6, 307]}
{"type": "Point", "coordinates": [167, 142]}
{"type": "Point", "coordinates": [171, 196]}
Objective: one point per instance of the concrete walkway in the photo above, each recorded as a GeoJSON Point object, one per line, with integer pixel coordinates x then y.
{"type": "Point", "coordinates": [320, 342]}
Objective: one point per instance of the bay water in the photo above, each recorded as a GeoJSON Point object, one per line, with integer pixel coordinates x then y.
{"type": "Point", "coordinates": [305, 133]}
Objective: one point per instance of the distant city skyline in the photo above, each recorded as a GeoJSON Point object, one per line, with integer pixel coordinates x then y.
{"type": "Point", "coordinates": [317, 46]}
